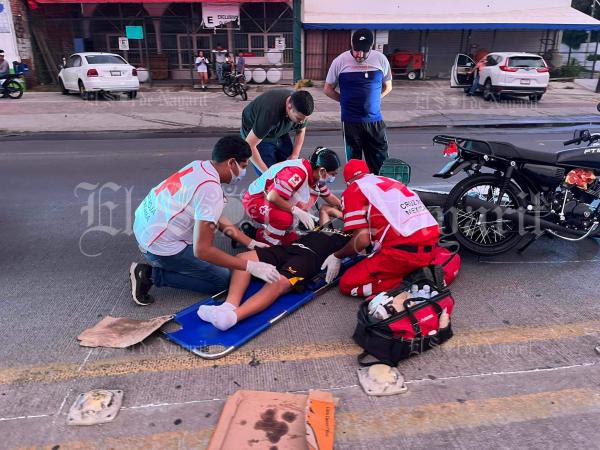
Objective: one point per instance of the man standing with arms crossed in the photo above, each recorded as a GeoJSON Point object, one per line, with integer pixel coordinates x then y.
{"type": "Point", "coordinates": [267, 121]}
{"type": "Point", "coordinates": [363, 77]}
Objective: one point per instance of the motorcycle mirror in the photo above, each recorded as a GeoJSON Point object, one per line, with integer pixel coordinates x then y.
{"type": "Point", "coordinates": [584, 135]}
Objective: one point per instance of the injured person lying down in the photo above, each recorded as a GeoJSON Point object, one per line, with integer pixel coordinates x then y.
{"type": "Point", "coordinates": [295, 262]}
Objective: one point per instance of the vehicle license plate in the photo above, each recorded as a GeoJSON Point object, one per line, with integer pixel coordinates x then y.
{"type": "Point", "coordinates": [525, 81]}
{"type": "Point", "coordinates": [117, 73]}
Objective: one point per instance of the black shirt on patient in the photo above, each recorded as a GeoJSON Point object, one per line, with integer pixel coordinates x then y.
{"type": "Point", "coordinates": [303, 259]}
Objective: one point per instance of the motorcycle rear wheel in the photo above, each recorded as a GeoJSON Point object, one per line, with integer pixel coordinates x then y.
{"type": "Point", "coordinates": [471, 229]}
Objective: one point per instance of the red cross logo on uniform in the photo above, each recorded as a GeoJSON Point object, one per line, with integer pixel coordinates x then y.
{"type": "Point", "coordinates": [386, 186]}
{"type": "Point", "coordinates": [173, 183]}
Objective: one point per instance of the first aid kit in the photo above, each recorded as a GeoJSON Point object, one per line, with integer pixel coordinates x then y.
{"type": "Point", "coordinates": [408, 320]}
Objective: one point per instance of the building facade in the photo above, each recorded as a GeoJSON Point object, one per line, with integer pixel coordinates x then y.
{"type": "Point", "coordinates": [435, 31]}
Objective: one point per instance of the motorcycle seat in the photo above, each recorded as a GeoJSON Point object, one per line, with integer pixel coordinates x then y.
{"type": "Point", "coordinates": [510, 151]}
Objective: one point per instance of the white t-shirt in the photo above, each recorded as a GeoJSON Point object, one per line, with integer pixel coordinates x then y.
{"type": "Point", "coordinates": [220, 55]}
{"type": "Point", "coordinates": [201, 64]}
{"type": "Point", "coordinates": [164, 221]}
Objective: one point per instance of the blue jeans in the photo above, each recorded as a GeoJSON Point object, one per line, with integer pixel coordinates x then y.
{"type": "Point", "coordinates": [219, 67]}
{"type": "Point", "coordinates": [274, 152]}
{"type": "Point", "coordinates": [475, 84]}
{"type": "Point", "coordinates": [185, 271]}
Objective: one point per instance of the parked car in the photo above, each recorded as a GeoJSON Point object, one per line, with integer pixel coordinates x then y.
{"type": "Point", "coordinates": [93, 73]}
{"type": "Point", "coordinates": [524, 74]}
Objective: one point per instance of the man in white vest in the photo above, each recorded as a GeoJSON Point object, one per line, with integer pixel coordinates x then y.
{"type": "Point", "coordinates": [283, 195]}
{"type": "Point", "coordinates": [175, 227]}
{"type": "Point", "coordinates": [391, 218]}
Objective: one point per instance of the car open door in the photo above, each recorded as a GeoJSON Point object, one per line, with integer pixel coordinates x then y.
{"type": "Point", "coordinates": [460, 76]}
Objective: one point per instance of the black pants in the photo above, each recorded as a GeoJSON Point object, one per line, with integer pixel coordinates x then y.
{"type": "Point", "coordinates": [368, 139]}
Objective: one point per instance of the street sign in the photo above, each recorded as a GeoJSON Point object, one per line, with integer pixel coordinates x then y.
{"type": "Point", "coordinates": [123, 43]}
{"type": "Point", "coordinates": [134, 32]}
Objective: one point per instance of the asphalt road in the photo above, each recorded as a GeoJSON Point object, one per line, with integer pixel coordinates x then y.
{"type": "Point", "coordinates": [521, 370]}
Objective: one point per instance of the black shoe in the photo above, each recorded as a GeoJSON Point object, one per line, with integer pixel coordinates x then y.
{"type": "Point", "coordinates": [141, 282]}
{"type": "Point", "coordinates": [248, 230]}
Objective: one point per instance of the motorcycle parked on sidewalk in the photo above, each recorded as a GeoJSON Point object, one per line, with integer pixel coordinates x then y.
{"type": "Point", "coordinates": [515, 195]}
{"type": "Point", "coordinates": [235, 85]}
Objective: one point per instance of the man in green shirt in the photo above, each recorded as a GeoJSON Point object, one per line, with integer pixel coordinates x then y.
{"type": "Point", "coordinates": [267, 121]}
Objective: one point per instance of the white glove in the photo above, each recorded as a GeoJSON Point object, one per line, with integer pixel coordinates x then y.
{"type": "Point", "coordinates": [264, 271]}
{"type": "Point", "coordinates": [304, 217]}
{"type": "Point", "coordinates": [255, 244]}
{"type": "Point", "coordinates": [332, 264]}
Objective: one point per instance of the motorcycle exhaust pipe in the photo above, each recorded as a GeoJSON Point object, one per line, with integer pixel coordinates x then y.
{"type": "Point", "coordinates": [435, 198]}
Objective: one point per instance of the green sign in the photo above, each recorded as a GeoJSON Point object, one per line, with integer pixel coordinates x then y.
{"type": "Point", "coordinates": [134, 32]}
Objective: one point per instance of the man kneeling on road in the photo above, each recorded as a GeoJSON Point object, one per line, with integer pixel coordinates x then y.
{"type": "Point", "coordinates": [296, 262]}
{"type": "Point", "coordinates": [175, 228]}
{"type": "Point", "coordinates": [385, 214]}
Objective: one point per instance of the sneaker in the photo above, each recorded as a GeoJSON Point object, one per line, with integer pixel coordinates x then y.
{"type": "Point", "coordinates": [141, 282]}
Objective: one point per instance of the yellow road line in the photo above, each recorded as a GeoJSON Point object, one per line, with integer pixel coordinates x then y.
{"type": "Point", "coordinates": [310, 351]}
{"type": "Point", "coordinates": [433, 418]}
{"type": "Point", "coordinates": [396, 422]}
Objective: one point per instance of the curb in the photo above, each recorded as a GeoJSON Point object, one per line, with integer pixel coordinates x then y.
{"type": "Point", "coordinates": [204, 131]}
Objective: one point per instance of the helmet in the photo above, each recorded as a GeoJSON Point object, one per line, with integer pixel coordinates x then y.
{"type": "Point", "coordinates": [325, 158]}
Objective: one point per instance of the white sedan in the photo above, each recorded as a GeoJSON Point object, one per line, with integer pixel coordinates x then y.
{"type": "Point", "coordinates": [92, 73]}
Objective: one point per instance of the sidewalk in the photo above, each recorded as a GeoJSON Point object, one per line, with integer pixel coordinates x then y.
{"type": "Point", "coordinates": [411, 104]}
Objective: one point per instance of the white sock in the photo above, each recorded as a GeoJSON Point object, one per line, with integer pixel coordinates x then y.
{"type": "Point", "coordinates": [223, 318]}
{"type": "Point", "coordinates": [206, 312]}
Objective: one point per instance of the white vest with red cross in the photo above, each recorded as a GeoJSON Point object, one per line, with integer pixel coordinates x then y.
{"type": "Point", "coordinates": [401, 207]}
{"type": "Point", "coordinates": [168, 203]}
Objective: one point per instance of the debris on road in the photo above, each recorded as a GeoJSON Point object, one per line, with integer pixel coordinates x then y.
{"type": "Point", "coordinates": [95, 407]}
{"type": "Point", "coordinates": [381, 379]}
{"type": "Point", "coordinates": [264, 420]}
{"type": "Point", "coordinates": [120, 332]}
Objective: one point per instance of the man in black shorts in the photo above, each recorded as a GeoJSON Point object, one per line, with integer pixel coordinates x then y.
{"type": "Point", "coordinates": [362, 77]}
{"type": "Point", "coordinates": [295, 262]}
{"type": "Point", "coordinates": [267, 121]}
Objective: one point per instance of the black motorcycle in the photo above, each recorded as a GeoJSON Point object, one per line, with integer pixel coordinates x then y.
{"type": "Point", "coordinates": [235, 85]}
{"type": "Point", "coordinates": [515, 195]}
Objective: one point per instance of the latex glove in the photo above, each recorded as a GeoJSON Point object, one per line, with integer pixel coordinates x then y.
{"type": "Point", "coordinates": [332, 264]}
{"type": "Point", "coordinates": [305, 218]}
{"type": "Point", "coordinates": [255, 244]}
{"type": "Point", "coordinates": [264, 271]}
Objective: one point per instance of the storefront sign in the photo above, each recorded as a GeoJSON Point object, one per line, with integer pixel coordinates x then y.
{"type": "Point", "coordinates": [214, 15]}
{"type": "Point", "coordinates": [134, 32]}
{"type": "Point", "coordinates": [123, 43]}
{"type": "Point", "coordinates": [4, 19]}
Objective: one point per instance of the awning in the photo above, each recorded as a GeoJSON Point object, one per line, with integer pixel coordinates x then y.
{"type": "Point", "coordinates": [445, 15]}
{"type": "Point", "coordinates": [157, 1]}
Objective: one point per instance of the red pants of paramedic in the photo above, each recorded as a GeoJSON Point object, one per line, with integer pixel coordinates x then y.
{"type": "Point", "coordinates": [382, 271]}
{"type": "Point", "coordinates": [276, 221]}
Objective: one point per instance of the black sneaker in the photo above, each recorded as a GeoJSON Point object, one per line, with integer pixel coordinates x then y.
{"type": "Point", "coordinates": [141, 282]}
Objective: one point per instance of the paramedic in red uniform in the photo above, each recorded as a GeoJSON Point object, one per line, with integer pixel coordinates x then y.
{"type": "Point", "coordinates": [283, 195]}
{"type": "Point", "coordinates": [392, 218]}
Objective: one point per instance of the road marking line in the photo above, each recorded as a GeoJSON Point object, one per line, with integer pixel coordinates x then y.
{"type": "Point", "coordinates": [400, 421]}
{"type": "Point", "coordinates": [449, 416]}
{"type": "Point", "coordinates": [309, 351]}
